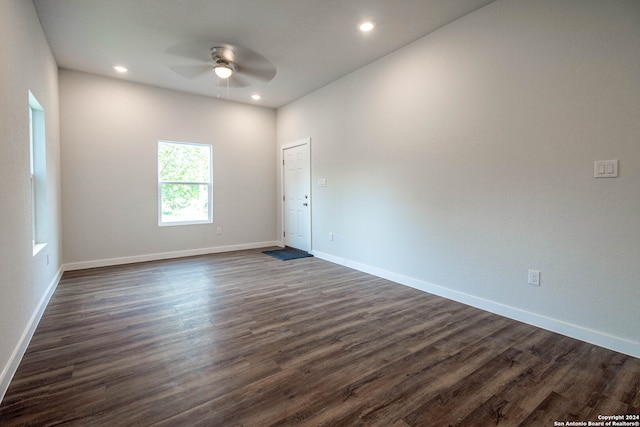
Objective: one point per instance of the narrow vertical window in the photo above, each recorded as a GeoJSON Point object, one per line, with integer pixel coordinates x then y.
{"type": "Point", "coordinates": [32, 178]}
{"type": "Point", "coordinates": [184, 183]}
{"type": "Point", "coordinates": [38, 173]}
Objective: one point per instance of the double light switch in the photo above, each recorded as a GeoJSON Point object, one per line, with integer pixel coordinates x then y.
{"type": "Point", "coordinates": [605, 169]}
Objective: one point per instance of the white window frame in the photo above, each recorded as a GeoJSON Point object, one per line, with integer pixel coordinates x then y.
{"type": "Point", "coordinates": [37, 172]}
{"type": "Point", "coordinates": [209, 185]}
{"type": "Point", "coordinates": [32, 178]}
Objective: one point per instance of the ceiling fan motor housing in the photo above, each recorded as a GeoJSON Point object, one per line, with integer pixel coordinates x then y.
{"type": "Point", "coordinates": [223, 57]}
{"type": "Point", "coordinates": [222, 54]}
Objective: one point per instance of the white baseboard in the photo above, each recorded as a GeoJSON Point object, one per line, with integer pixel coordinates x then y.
{"type": "Point", "coordinates": [166, 255]}
{"type": "Point", "coordinates": [16, 357]}
{"type": "Point", "coordinates": [601, 339]}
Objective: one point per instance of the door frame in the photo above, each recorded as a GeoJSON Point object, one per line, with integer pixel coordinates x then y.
{"type": "Point", "coordinates": [283, 147]}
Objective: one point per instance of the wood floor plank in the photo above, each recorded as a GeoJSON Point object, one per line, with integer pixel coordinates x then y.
{"type": "Point", "coordinates": [243, 339]}
{"type": "Point", "coordinates": [556, 408]}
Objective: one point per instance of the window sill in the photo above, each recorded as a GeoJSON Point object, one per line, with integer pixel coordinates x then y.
{"type": "Point", "coordinates": [38, 248]}
{"type": "Point", "coordinates": [175, 223]}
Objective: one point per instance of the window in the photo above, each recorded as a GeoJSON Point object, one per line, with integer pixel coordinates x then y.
{"type": "Point", "coordinates": [38, 173]}
{"type": "Point", "coordinates": [184, 183]}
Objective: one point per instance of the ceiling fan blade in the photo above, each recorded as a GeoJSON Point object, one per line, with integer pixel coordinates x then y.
{"type": "Point", "coordinates": [254, 65]}
{"type": "Point", "coordinates": [191, 71]}
{"type": "Point", "coordinates": [238, 80]}
{"type": "Point", "coordinates": [262, 73]}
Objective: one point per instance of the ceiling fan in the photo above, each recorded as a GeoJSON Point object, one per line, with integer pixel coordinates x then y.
{"type": "Point", "coordinates": [236, 66]}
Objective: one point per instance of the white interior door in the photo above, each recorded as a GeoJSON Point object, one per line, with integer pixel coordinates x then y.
{"type": "Point", "coordinates": [297, 195]}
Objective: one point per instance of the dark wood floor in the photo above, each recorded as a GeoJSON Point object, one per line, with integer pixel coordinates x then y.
{"type": "Point", "coordinates": [243, 339]}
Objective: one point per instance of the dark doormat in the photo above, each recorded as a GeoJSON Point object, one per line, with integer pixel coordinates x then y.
{"type": "Point", "coordinates": [287, 253]}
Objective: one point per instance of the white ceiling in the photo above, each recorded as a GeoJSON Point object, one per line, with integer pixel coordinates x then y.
{"type": "Point", "coordinates": [308, 43]}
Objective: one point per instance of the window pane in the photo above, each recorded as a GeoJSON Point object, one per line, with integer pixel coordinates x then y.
{"type": "Point", "coordinates": [184, 162]}
{"type": "Point", "coordinates": [184, 202]}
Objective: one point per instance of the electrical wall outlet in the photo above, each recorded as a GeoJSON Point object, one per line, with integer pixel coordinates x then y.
{"type": "Point", "coordinates": [534, 278]}
{"type": "Point", "coordinates": [219, 230]}
{"type": "Point", "coordinates": [331, 237]}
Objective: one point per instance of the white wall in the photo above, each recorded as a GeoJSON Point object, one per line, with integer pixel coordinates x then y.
{"type": "Point", "coordinates": [110, 129]}
{"type": "Point", "coordinates": [466, 158]}
{"type": "Point", "coordinates": [26, 281]}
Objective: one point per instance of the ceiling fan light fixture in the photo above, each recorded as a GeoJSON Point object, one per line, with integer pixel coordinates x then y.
{"type": "Point", "coordinates": [224, 71]}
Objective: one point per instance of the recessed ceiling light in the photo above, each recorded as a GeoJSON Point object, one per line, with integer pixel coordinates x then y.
{"type": "Point", "coordinates": [120, 69]}
{"type": "Point", "coordinates": [255, 97]}
{"type": "Point", "coordinates": [366, 26]}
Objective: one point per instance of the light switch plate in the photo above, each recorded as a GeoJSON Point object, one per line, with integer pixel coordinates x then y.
{"type": "Point", "coordinates": [605, 169]}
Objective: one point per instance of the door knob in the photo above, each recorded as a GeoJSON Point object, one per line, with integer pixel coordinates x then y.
{"type": "Point", "coordinates": [305, 204]}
